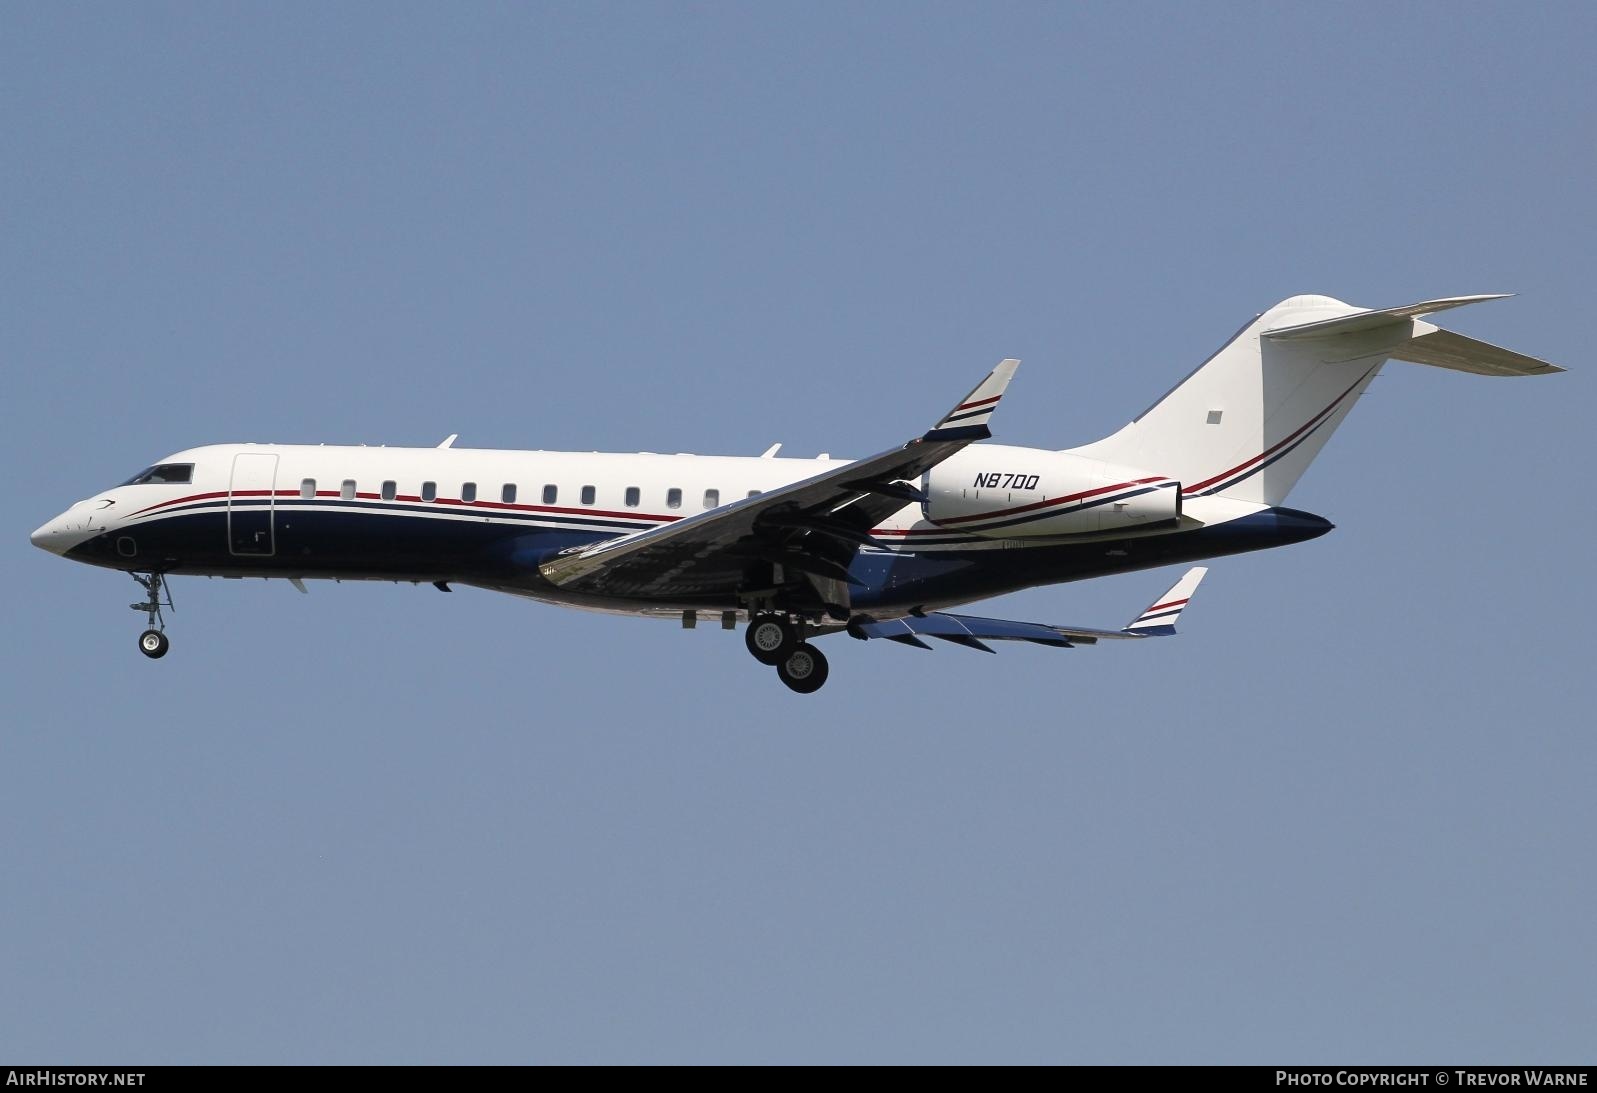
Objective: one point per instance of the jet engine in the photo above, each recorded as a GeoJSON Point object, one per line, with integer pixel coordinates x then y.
{"type": "Point", "coordinates": [1007, 493]}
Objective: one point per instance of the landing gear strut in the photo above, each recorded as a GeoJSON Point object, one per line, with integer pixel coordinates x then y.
{"type": "Point", "coordinates": [153, 642]}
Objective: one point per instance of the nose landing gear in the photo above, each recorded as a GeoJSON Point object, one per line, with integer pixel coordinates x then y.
{"type": "Point", "coordinates": [153, 643]}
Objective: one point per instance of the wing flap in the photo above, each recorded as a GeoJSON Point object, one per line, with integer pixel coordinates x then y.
{"type": "Point", "coordinates": [971, 630]}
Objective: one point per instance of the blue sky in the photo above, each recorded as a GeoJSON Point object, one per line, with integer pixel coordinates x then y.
{"type": "Point", "coordinates": [1346, 816]}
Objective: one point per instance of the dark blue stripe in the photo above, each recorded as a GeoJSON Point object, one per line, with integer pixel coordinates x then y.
{"type": "Point", "coordinates": [1255, 470]}
{"type": "Point", "coordinates": [1049, 514]}
{"type": "Point", "coordinates": [386, 508]}
{"type": "Point", "coordinates": [890, 545]}
{"type": "Point", "coordinates": [959, 432]}
{"type": "Point", "coordinates": [1329, 413]}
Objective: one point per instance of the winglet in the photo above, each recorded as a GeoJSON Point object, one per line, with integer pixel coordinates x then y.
{"type": "Point", "coordinates": [968, 420]}
{"type": "Point", "coordinates": [1160, 618]}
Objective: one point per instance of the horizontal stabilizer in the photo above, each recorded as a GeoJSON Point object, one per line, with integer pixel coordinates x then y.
{"type": "Point", "coordinates": [1374, 317]}
{"type": "Point", "coordinates": [1445, 349]}
{"type": "Point", "coordinates": [1411, 339]}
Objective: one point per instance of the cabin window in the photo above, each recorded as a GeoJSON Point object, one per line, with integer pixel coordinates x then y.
{"type": "Point", "coordinates": [551, 494]}
{"type": "Point", "coordinates": [634, 495]}
{"type": "Point", "coordinates": [673, 498]}
{"type": "Point", "coordinates": [754, 493]}
{"type": "Point", "coordinates": [429, 491]}
{"type": "Point", "coordinates": [507, 493]}
{"type": "Point", "coordinates": [468, 492]}
{"type": "Point", "coordinates": [347, 490]}
{"type": "Point", "coordinates": [390, 490]}
{"type": "Point", "coordinates": [712, 498]}
{"type": "Point", "coordinates": [307, 488]}
{"type": "Point", "coordinates": [163, 474]}
{"type": "Point", "coordinates": [588, 494]}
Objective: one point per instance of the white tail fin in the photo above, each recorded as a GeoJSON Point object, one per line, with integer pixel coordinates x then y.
{"type": "Point", "coordinates": [1249, 421]}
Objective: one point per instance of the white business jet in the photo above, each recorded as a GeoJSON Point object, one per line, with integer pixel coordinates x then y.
{"type": "Point", "coordinates": [796, 548]}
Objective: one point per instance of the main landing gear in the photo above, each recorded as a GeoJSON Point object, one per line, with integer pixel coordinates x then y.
{"type": "Point", "coordinates": [770, 638]}
{"type": "Point", "coordinates": [776, 642]}
{"type": "Point", "coordinates": [153, 642]}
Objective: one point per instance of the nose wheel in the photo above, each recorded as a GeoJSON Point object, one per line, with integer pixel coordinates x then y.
{"type": "Point", "coordinates": [153, 643]}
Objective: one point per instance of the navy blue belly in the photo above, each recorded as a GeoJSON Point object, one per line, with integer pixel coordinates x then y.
{"type": "Point", "coordinates": [368, 543]}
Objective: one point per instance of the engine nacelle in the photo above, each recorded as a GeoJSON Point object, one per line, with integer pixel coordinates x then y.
{"type": "Point", "coordinates": [1009, 493]}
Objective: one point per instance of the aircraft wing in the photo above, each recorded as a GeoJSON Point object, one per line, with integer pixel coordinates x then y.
{"type": "Point", "coordinates": [812, 527]}
{"type": "Point", "coordinates": [971, 631]}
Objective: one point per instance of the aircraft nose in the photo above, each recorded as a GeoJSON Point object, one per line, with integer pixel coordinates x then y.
{"type": "Point", "coordinates": [52, 536]}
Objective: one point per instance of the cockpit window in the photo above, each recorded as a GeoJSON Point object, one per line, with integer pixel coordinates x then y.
{"type": "Point", "coordinates": [163, 474]}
